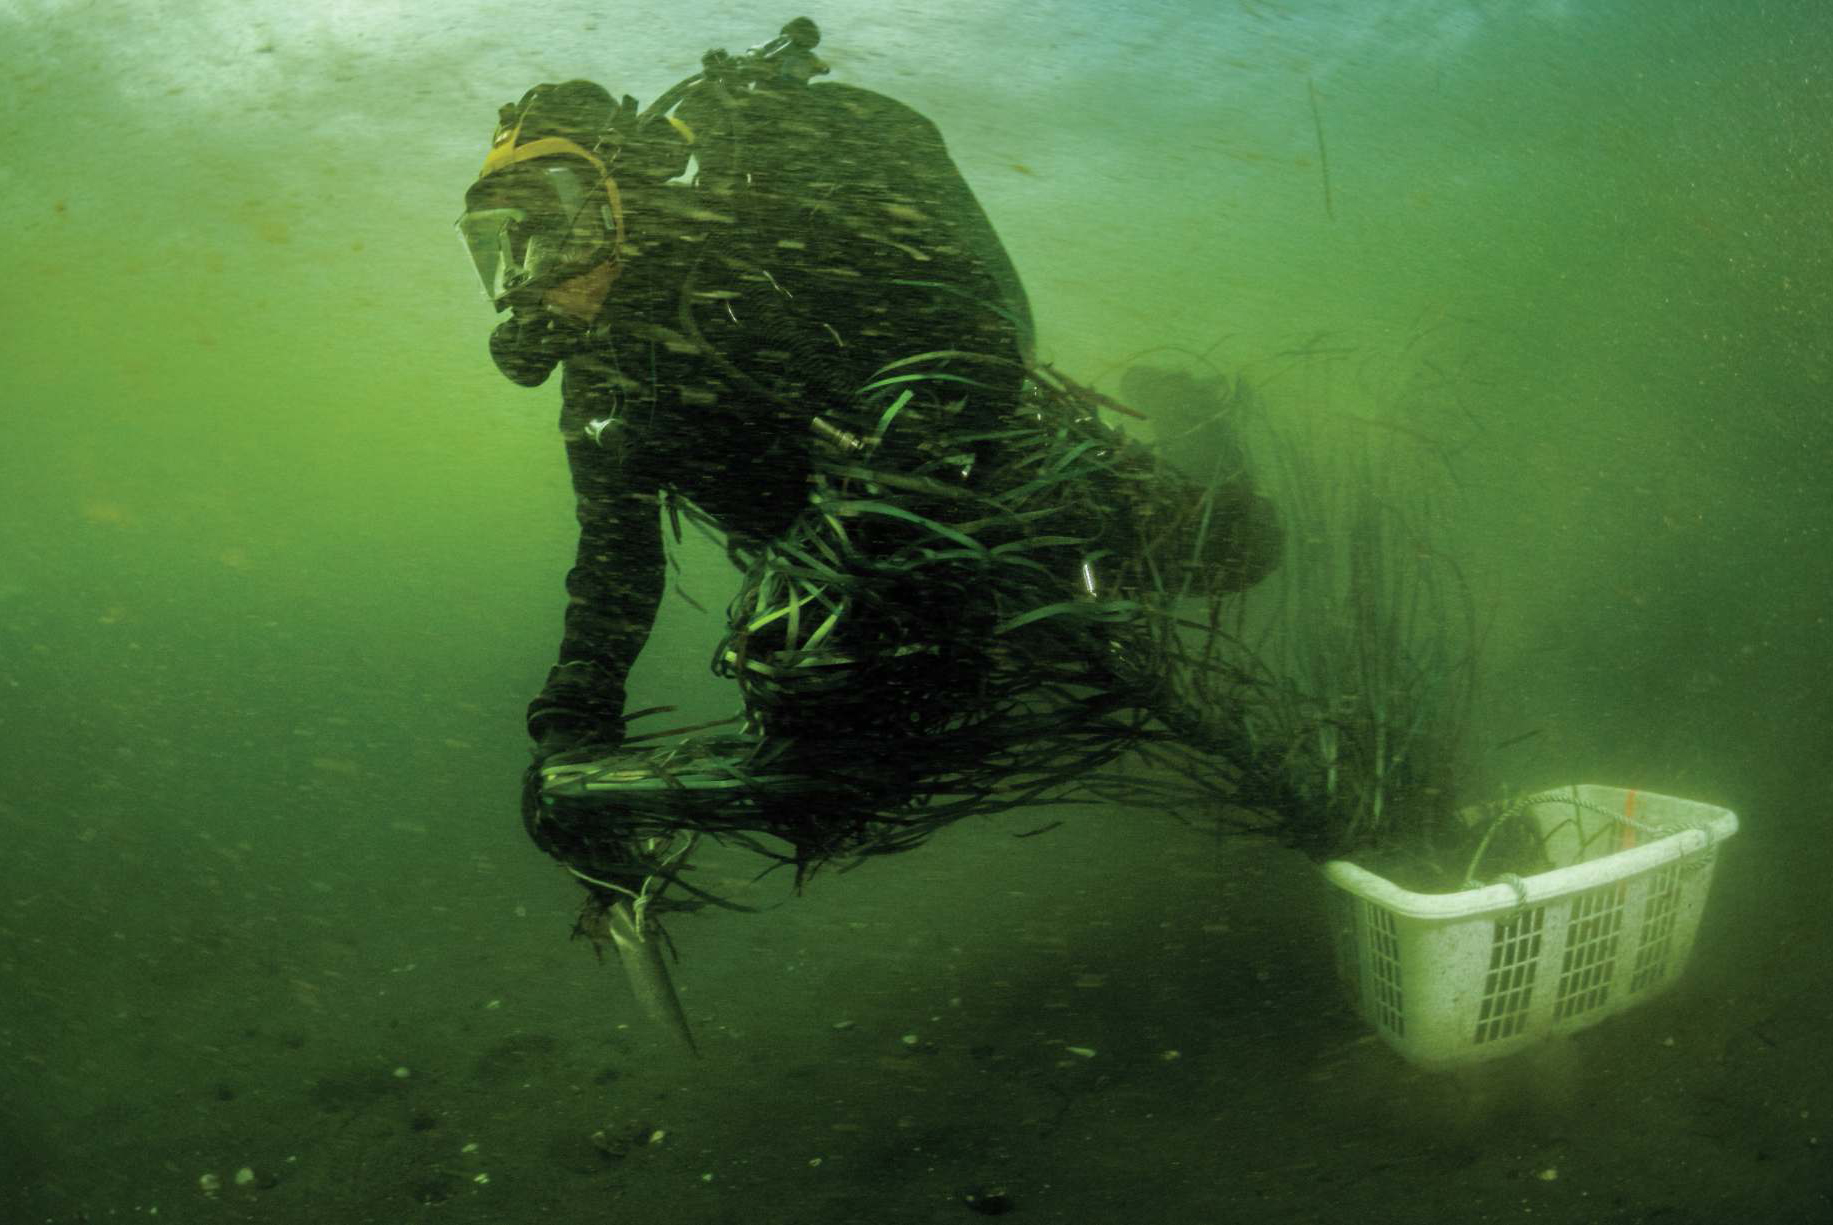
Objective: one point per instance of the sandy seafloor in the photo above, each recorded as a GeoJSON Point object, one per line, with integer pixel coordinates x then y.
{"type": "Point", "coordinates": [898, 1045]}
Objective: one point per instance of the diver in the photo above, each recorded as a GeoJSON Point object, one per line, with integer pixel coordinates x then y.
{"type": "Point", "coordinates": [720, 277]}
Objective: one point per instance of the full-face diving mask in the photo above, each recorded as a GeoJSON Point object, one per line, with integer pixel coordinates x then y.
{"type": "Point", "coordinates": [547, 210]}
{"type": "Point", "coordinates": [539, 214]}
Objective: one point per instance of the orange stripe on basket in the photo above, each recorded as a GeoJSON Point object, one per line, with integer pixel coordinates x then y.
{"type": "Point", "coordinates": [1629, 816]}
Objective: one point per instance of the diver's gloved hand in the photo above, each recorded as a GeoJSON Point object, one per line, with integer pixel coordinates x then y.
{"type": "Point", "coordinates": [578, 716]}
{"type": "Point", "coordinates": [1249, 540]}
{"type": "Point", "coordinates": [532, 341]}
{"type": "Point", "coordinates": [566, 742]}
{"type": "Point", "coordinates": [577, 834]}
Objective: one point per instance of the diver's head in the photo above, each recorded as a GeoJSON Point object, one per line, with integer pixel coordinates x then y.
{"type": "Point", "coordinates": [544, 222]}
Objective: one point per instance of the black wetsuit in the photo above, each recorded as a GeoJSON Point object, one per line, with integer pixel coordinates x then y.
{"type": "Point", "coordinates": [828, 234]}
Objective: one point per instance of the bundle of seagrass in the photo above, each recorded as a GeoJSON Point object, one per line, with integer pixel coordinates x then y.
{"type": "Point", "coordinates": [978, 613]}
{"type": "Point", "coordinates": [973, 615]}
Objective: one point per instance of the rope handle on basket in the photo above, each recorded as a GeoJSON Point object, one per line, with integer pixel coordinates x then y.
{"type": "Point", "coordinates": [1518, 884]}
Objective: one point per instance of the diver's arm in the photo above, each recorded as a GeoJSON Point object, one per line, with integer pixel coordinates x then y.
{"type": "Point", "coordinates": [613, 592]}
{"type": "Point", "coordinates": [1250, 539]}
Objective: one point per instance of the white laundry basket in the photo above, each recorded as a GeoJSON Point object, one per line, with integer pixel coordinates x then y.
{"type": "Point", "coordinates": [1459, 977]}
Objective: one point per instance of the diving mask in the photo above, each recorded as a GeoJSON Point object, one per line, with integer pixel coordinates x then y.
{"type": "Point", "coordinates": [542, 213]}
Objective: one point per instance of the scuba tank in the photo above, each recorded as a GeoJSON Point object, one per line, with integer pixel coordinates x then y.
{"type": "Point", "coordinates": [705, 110]}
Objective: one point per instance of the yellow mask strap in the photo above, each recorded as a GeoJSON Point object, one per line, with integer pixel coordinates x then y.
{"type": "Point", "coordinates": [506, 152]}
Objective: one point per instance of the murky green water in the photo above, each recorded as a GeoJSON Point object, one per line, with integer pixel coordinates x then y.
{"type": "Point", "coordinates": [283, 556]}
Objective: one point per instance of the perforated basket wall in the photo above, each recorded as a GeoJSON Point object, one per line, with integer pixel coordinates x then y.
{"type": "Point", "coordinates": [1460, 977]}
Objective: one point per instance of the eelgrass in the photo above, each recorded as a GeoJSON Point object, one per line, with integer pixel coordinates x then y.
{"type": "Point", "coordinates": [971, 616]}
{"type": "Point", "coordinates": [975, 615]}
{"type": "Point", "coordinates": [1368, 652]}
